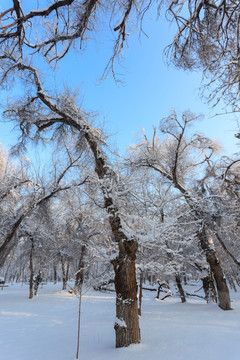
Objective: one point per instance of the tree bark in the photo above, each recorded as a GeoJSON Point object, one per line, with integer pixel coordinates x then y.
{"type": "Point", "coordinates": [206, 282]}
{"type": "Point", "coordinates": [224, 301]}
{"type": "Point", "coordinates": [140, 293]}
{"type": "Point", "coordinates": [38, 280]}
{"type": "Point", "coordinates": [64, 279]}
{"type": "Point", "coordinates": [213, 288]}
{"type": "Point", "coordinates": [55, 274]}
{"type": "Point", "coordinates": [180, 288]}
{"type": "Point", "coordinates": [80, 273]}
{"type": "Point", "coordinates": [124, 265]}
{"type": "Point", "coordinates": [127, 323]}
{"type": "Point", "coordinates": [31, 270]}
{"type": "Point", "coordinates": [67, 272]}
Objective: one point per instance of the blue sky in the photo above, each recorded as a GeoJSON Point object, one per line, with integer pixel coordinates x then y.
{"type": "Point", "coordinates": [149, 91]}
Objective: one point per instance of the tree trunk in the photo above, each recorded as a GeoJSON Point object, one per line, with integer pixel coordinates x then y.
{"type": "Point", "coordinates": [64, 279]}
{"type": "Point", "coordinates": [38, 280]}
{"type": "Point", "coordinates": [206, 282]}
{"type": "Point", "coordinates": [80, 273]}
{"type": "Point", "coordinates": [231, 283]}
{"type": "Point", "coordinates": [140, 293]}
{"type": "Point", "coordinates": [158, 291]}
{"type": "Point", "coordinates": [127, 322]}
{"type": "Point", "coordinates": [215, 266]}
{"type": "Point", "coordinates": [31, 270]}
{"type": "Point", "coordinates": [55, 274]}
{"type": "Point", "coordinates": [125, 276]}
{"type": "Point", "coordinates": [8, 244]}
{"type": "Point", "coordinates": [180, 288]}
{"type": "Point", "coordinates": [213, 289]}
{"type": "Point", "coordinates": [67, 272]}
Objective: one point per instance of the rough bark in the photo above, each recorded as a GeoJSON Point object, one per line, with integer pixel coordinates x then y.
{"type": "Point", "coordinates": [216, 269]}
{"type": "Point", "coordinates": [127, 323]}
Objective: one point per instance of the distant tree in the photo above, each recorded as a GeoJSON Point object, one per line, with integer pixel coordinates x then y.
{"type": "Point", "coordinates": [176, 157]}
{"type": "Point", "coordinates": [23, 196]}
{"type": "Point", "coordinates": [222, 183]}
{"type": "Point", "coordinates": [14, 187]}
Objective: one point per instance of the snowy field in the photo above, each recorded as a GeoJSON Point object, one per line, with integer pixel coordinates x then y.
{"type": "Point", "coordinates": [45, 328]}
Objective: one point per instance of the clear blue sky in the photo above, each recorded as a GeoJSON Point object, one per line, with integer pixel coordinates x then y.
{"type": "Point", "coordinates": [150, 90]}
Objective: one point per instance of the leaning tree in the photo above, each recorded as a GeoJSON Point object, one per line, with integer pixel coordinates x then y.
{"type": "Point", "coordinates": [40, 113]}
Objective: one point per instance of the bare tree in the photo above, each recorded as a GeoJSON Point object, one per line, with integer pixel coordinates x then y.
{"type": "Point", "coordinates": [40, 113]}
{"type": "Point", "coordinates": [61, 25]}
{"type": "Point", "coordinates": [207, 34]}
{"type": "Point", "coordinates": [34, 196]}
{"type": "Point", "coordinates": [207, 38]}
{"type": "Point", "coordinates": [174, 159]}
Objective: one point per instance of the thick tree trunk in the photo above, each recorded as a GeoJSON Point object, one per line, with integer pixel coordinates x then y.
{"type": "Point", "coordinates": [180, 288]}
{"type": "Point", "coordinates": [215, 266]}
{"type": "Point", "coordinates": [127, 322]}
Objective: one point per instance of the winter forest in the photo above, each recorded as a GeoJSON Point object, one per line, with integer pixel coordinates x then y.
{"type": "Point", "coordinates": [103, 249]}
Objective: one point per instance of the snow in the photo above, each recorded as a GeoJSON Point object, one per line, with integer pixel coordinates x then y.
{"type": "Point", "coordinates": [120, 322]}
{"type": "Point", "coordinates": [46, 327]}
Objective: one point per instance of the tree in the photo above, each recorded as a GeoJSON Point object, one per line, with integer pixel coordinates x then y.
{"type": "Point", "coordinates": [54, 30]}
{"type": "Point", "coordinates": [63, 114]}
{"type": "Point", "coordinates": [25, 203]}
{"type": "Point", "coordinates": [207, 35]}
{"type": "Point", "coordinates": [222, 182]}
{"type": "Point", "coordinates": [207, 38]}
{"type": "Point", "coordinates": [39, 113]}
{"type": "Point", "coordinates": [14, 187]}
{"type": "Point", "coordinates": [175, 159]}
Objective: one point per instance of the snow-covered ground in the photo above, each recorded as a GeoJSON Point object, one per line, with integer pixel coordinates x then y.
{"type": "Point", "coordinates": [45, 328]}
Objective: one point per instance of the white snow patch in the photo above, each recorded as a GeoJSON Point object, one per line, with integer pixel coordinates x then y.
{"type": "Point", "coordinates": [46, 327]}
{"type": "Point", "coordinates": [120, 322]}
